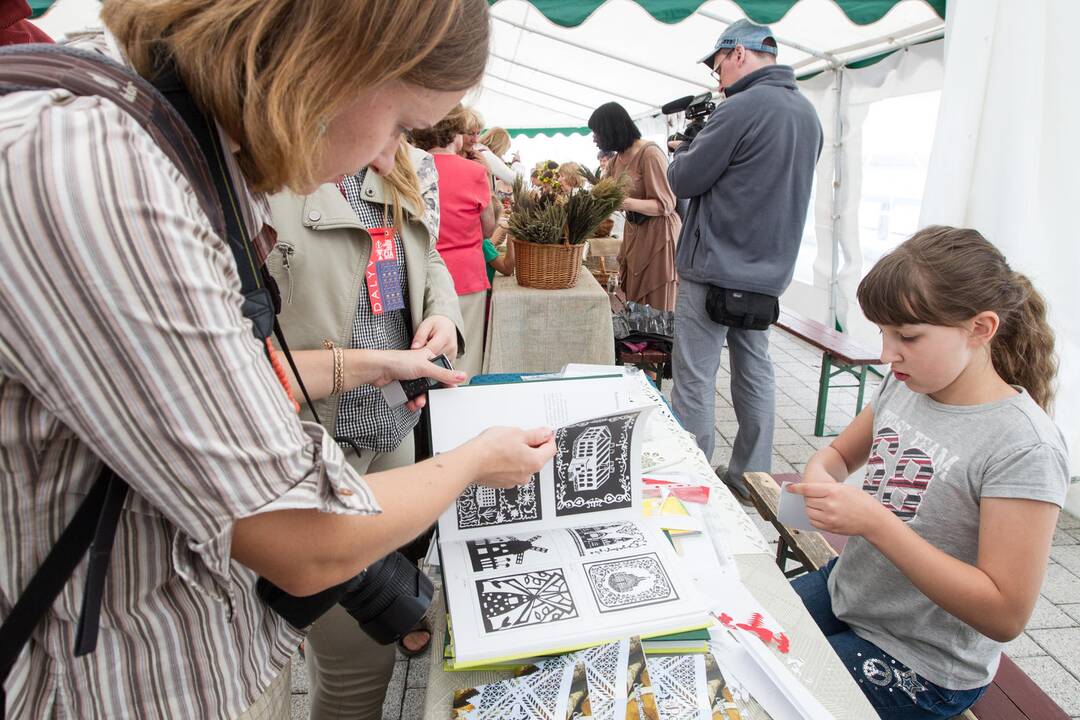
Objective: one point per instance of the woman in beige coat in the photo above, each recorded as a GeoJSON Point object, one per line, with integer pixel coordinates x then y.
{"type": "Point", "coordinates": [343, 316]}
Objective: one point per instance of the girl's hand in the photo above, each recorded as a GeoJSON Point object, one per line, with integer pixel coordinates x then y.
{"type": "Point", "coordinates": [842, 509]}
{"type": "Point", "coordinates": [438, 334]}
{"type": "Point", "coordinates": [510, 456]}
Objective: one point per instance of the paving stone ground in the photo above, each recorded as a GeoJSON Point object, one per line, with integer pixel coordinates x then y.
{"type": "Point", "coordinates": [1048, 650]}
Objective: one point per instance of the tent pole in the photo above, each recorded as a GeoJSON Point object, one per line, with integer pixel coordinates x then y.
{"type": "Point", "coordinates": [838, 166]}
{"type": "Point", "coordinates": [590, 108]}
{"type": "Point", "coordinates": [518, 63]}
{"type": "Point", "coordinates": [575, 118]}
{"type": "Point", "coordinates": [583, 46]}
{"type": "Point", "coordinates": [881, 50]}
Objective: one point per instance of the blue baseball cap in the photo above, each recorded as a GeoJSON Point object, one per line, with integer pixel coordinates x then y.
{"type": "Point", "coordinates": [745, 33]}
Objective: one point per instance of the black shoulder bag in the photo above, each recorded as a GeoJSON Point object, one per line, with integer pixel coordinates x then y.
{"type": "Point", "coordinates": [741, 308]}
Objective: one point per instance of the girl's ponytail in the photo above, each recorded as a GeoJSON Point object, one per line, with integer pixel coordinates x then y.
{"type": "Point", "coordinates": [1023, 350]}
{"type": "Point", "coordinates": [946, 276]}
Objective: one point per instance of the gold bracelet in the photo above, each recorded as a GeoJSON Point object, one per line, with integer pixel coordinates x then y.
{"type": "Point", "coordinates": [339, 366]}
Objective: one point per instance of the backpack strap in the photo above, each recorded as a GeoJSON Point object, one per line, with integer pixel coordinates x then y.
{"type": "Point", "coordinates": [93, 526]}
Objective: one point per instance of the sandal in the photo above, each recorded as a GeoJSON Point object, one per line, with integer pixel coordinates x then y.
{"type": "Point", "coordinates": [423, 626]}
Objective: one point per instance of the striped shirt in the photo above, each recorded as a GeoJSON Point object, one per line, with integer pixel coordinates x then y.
{"type": "Point", "coordinates": [121, 338]}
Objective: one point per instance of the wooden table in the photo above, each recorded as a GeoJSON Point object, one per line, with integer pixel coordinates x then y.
{"type": "Point", "coordinates": [533, 330]}
{"type": "Point", "coordinates": [821, 671]}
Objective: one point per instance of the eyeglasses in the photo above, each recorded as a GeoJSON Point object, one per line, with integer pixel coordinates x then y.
{"type": "Point", "coordinates": [715, 72]}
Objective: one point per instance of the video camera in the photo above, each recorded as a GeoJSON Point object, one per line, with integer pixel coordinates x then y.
{"type": "Point", "coordinates": [696, 109]}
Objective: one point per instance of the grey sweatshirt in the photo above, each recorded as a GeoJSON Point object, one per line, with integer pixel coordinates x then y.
{"type": "Point", "coordinates": [748, 175]}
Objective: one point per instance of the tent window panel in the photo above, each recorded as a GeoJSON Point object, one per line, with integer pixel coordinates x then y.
{"type": "Point", "coordinates": [804, 264]}
{"type": "Point", "coordinates": [898, 135]}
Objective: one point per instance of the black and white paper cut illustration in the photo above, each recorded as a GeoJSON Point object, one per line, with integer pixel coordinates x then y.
{"type": "Point", "coordinates": [592, 465]}
{"type": "Point", "coordinates": [606, 538]}
{"type": "Point", "coordinates": [499, 553]}
{"type": "Point", "coordinates": [534, 598]}
{"type": "Point", "coordinates": [481, 506]}
{"type": "Point", "coordinates": [629, 582]}
{"type": "Point", "coordinates": [680, 686]}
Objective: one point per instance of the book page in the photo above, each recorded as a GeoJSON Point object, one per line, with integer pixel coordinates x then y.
{"type": "Point", "coordinates": [595, 473]}
{"type": "Point", "coordinates": [519, 595]}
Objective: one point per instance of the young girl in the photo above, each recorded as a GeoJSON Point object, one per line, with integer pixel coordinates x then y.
{"type": "Point", "coordinates": [965, 474]}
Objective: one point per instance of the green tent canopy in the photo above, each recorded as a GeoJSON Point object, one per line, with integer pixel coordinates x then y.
{"type": "Point", "coordinates": [571, 13]}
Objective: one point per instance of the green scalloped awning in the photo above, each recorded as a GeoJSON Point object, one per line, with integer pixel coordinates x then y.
{"type": "Point", "coordinates": [571, 13]}
{"type": "Point", "coordinates": [38, 7]}
{"type": "Point", "coordinates": [548, 131]}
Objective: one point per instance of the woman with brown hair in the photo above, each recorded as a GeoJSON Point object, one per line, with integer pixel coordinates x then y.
{"type": "Point", "coordinates": [647, 255]}
{"type": "Point", "coordinates": [466, 217]}
{"type": "Point", "coordinates": [122, 343]}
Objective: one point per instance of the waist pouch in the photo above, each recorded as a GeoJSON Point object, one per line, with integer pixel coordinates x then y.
{"type": "Point", "coordinates": [741, 308]}
{"type": "Point", "coordinates": [635, 218]}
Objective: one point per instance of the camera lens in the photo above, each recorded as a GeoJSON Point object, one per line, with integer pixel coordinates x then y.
{"type": "Point", "coordinates": [389, 598]}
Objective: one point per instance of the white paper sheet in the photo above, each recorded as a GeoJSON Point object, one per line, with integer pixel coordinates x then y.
{"type": "Point", "coordinates": [791, 510]}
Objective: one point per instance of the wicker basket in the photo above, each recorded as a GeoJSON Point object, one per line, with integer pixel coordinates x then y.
{"type": "Point", "coordinates": [547, 267]}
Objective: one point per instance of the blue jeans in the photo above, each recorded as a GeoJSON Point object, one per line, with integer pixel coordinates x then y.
{"type": "Point", "coordinates": [895, 691]}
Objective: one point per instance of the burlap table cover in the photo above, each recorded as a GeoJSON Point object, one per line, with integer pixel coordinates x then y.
{"type": "Point", "coordinates": [810, 658]}
{"type": "Point", "coordinates": [533, 330]}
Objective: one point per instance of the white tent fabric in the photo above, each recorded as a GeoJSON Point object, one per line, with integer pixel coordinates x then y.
{"type": "Point", "coordinates": [1005, 157]}
{"type": "Point", "coordinates": [543, 75]}
{"type": "Point", "coordinates": [913, 70]}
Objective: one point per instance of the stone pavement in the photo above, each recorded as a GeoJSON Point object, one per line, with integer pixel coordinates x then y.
{"type": "Point", "coordinates": [1049, 649]}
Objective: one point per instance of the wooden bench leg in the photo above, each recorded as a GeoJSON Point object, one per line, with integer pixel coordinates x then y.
{"type": "Point", "coordinates": [783, 554]}
{"type": "Point", "coordinates": [862, 389]}
{"type": "Point", "coordinates": [823, 394]}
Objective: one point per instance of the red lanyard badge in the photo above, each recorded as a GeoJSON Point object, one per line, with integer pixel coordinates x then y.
{"type": "Point", "coordinates": [382, 277]}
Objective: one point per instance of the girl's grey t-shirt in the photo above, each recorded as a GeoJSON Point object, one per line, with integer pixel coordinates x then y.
{"type": "Point", "coordinates": [931, 464]}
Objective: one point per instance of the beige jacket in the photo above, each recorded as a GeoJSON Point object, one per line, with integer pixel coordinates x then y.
{"type": "Point", "coordinates": [319, 263]}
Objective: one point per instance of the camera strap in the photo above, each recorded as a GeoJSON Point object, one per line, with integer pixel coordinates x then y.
{"type": "Point", "coordinates": [169, 115]}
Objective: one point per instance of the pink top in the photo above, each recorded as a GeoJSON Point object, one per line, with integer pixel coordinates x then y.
{"type": "Point", "coordinates": [463, 195]}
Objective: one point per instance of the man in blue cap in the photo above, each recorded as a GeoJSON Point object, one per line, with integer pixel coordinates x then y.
{"type": "Point", "coordinates": [748, 175]}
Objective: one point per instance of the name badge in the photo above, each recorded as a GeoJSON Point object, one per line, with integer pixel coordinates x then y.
{"type": "Point", "coordinates": [382, 276]}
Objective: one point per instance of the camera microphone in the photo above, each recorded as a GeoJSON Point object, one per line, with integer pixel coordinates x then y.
{"type": "Point", "coordinates": [677, 106]}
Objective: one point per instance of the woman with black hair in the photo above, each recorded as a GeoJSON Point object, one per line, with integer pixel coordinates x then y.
{"type": "Point", "coordinates": [647, 257]}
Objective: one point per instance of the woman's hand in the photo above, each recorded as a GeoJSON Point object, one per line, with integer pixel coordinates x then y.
{"type": "Point", "coordinates": [438, 334]}
{"type": "Point", "coordinates": [510, 456]}
{"type": "Point", "coordinates": [839, 508]}
{"type": "Point", "coordinates": [391, 365]}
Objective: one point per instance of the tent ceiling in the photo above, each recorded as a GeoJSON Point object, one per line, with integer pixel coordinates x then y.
{"type": "Point", "coordinates": [543, 74]}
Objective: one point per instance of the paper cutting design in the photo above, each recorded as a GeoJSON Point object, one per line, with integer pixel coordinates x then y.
{"type": "Point", "coordinates": [539, 696]}
{"type": "Point", "coordinates": [679, 684]}
{"type": "Point", "coordinates": [592, 465]}
{"type": "Point", "coordinates": [481, 506]}
{"type": "Point", "coordinates": [721, 700]}
{"type": "Point", "coordinates": [499, 553]}
{"type": "Point", "coordinates": [629, 582]}
{"type": "Point", "coordinates": [609, 537]}
{"type": "Point", "coordinates": [525, 599]}
{"type": "Point", "coordinates": [640, 701]}
{"type": "Point", "coordinates": [578, 706]}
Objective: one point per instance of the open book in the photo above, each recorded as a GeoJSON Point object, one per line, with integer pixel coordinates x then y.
{"type": "Point", "coordinates": [566, 561]}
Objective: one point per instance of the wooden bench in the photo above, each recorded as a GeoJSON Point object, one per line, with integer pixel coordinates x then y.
{"type": "Point", "coordinates": [840, 355]}
{"type": "Point", "coordinates": [1011, 696]}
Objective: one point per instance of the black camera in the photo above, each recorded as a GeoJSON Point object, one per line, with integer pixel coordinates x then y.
{"type": "Point", "coordinates": [696, 109]}
{"type": "Point", "coordinates": [387, 599]}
